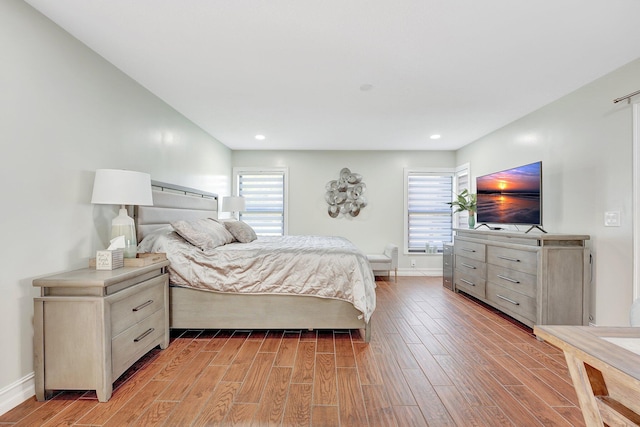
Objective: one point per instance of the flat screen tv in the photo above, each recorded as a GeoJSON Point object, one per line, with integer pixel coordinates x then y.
{"type": "Point", "coordinates": [511, 197]}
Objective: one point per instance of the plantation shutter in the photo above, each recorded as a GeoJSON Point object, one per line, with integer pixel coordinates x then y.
{"type": "Point", "coordinates": [429, 215]}
{"type": "Point", "coordinates": [462, 183]}
{"type": "Point", "coordinates": [264, 198]}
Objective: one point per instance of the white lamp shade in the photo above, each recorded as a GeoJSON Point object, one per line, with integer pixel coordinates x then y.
{"type": "Point", "coordinates": [122, 187]}
{"type": "Point", "coordinates": [233, 204]}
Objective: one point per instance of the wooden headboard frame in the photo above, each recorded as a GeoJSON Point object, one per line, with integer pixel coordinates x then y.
{"type": "Point", "coordinates": [171, 203]}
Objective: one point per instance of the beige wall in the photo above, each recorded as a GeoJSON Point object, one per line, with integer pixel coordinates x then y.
{"type": "Point", "coordinates": [65, 112]}
{"type": "Point", "coordinates": [585, 144]}
{"type": "Point", "coordinates": [380, 222]}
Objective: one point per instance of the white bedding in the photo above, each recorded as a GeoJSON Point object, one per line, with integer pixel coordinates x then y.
{"type": "Point", "coordinates": [321, 266]}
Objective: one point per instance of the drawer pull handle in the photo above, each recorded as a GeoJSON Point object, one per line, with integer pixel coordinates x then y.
{"type": "Point", "coordinates": [468, 250]}
{"type": "Point", "coordinates": [508, 279]}
{"type": "Point", "coordinates": [506, 258]}
{"type": "Point", "coordinates": [467, 282]}
{"type": "Point", "coordinates": [467, 265]}
{"type": "Point", "coordinates": [141, 337]}
{"type": "Point", "coordinates": [508, 300]}
{"type": "Point", "coordinates": [143, 305]}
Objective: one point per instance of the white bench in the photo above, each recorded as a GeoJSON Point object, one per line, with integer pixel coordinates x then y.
{"type": "Point", "coordinates": [386, 261]}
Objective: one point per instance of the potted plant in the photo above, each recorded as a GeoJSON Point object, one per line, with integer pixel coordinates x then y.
{"type": "Point", "coordinates": [466, 201]}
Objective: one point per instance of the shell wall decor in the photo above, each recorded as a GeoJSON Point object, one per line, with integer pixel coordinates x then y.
{"type": "Point", "coordinates": [345, 195]}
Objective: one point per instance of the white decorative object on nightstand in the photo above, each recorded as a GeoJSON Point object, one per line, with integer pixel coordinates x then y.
{"type": "Point", "coordinates": [122, 187]}
{"type": "Point", "coordinates": [91, 325]}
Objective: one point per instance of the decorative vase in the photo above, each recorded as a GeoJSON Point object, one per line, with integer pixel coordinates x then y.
{"type": "Point", "coordinates": [472, 219]}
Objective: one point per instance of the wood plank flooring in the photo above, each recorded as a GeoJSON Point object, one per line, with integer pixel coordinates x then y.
{"type": "Point", "coordinates": [436, 358]}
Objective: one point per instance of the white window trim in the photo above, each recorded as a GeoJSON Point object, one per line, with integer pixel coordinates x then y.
{"type": "Point", "coordinates": [464, 169]}
{"type": "Point", "coordinates": [238, 170]}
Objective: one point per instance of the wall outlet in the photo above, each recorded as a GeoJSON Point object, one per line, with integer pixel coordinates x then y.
{"type": "Point", "coordinates": [413, 263]}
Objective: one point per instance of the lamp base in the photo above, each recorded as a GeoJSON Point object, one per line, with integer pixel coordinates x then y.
{"type": "Point", "coordinates": [123, 225]}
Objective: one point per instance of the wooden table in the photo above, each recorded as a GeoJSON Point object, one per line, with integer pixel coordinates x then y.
{"type": "Point", "coordinates": [604, 363]}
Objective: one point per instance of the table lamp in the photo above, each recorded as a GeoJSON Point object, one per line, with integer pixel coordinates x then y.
{"type": "Point", "coordinates": [123, 187]}
{"type": "Point", "coordinates": [233, 204]}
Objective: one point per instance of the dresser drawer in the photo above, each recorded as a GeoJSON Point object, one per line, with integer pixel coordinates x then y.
{"type": "Point", "coordinates": [471, 250]}
{"type": "Point", "coordinates": [130, 306]}
{"type": "Point", "coordinates": [512, 279]}
{"type": "Point", "coordinates": [514, 259]}
{"type": "Point", "coordinates": [447, 270]}
{"type": "Point", "coordinates": [470, 266]}
{"type": "Point", "coordinates": [512, 301]}
{"type": "Point", "coordinates": [470, 284]}
{"type": "Point", "coordinates": [133, 343]}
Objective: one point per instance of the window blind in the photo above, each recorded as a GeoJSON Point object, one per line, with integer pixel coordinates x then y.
{"type": "Point", "coordinates": [429, 215]}
{"type": "Point", "coordinates": [264, 198]}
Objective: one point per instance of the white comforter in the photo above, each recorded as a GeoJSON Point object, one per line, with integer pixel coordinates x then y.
{"type": "Point", "coordinates": [326, 267]}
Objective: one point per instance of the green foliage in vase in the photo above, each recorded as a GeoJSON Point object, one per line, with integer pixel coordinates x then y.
{"type": "Point", "coordinates": [464, 201]}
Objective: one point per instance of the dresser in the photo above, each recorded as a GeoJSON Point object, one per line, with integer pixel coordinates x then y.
{"type": "Point", "coordinates": [538, 279]}
{"type": "Point", "coordinates": [91, 325]}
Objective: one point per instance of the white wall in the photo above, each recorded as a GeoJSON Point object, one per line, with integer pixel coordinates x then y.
{"type": "Point", "coordinates": [380, 222]}
{"type": "Point", "coordinates": [585, 144]}
{"type": "Point", "coordinates": [65, 112]}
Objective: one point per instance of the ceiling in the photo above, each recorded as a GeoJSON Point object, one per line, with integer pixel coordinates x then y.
{"type": "Point", "coordinates": [355, 74]}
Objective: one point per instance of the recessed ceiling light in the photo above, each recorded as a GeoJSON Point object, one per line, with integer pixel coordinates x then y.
{"type": "Point", "coordinates": [260, 137]}
{"type": "Point", "coordinates": [435, 136]}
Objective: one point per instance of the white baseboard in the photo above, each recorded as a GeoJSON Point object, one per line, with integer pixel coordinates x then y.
{"type": "Point", "coordinates": [16, 393]}
{"type": "Point", "coordinates": [432, 272]}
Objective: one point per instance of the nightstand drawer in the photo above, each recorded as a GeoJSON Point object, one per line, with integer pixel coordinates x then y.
{"type": "Point", "coordinates": [133, 343]}
{"type": "Point", "coordinates": [134, 304]}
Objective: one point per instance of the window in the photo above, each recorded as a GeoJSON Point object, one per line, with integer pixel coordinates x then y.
{"type": "Point", "coordinates": [428, 218]}
{"type": "Point", "coordinates": [265, 192]}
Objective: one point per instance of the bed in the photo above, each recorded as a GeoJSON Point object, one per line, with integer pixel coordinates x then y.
{"type": "Point", "coordinates": [213, 289]}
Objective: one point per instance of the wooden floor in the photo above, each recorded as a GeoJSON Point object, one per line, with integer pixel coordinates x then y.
{"type": "Point", "coordinates": [436, 358]}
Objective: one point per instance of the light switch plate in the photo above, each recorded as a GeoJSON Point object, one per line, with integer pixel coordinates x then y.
{"type": "Point", "coordinates": [612, 219]}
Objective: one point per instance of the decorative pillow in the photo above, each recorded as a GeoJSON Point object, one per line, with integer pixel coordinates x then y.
{"type": "Point", "coordinates": [205, 234]}
{"type": "Point", "coordinates": [240, 230]}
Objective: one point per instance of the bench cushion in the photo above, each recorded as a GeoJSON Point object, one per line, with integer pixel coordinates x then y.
{"type": "Point", "coordinates": [379, 262]}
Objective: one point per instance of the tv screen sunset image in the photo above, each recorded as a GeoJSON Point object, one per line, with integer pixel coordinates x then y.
{"type": "Point", "coordinates": [512, 196]}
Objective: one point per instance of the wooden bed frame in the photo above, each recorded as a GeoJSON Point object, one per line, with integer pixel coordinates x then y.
{"type": "Point", "coordinates": [198, 309]}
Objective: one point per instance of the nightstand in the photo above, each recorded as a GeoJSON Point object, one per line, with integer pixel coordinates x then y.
{"type": "Point", "coordinates": [91, 325]}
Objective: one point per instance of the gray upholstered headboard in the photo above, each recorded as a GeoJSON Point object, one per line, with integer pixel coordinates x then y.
{"type": "Point", "coordinates": [171, 203]}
